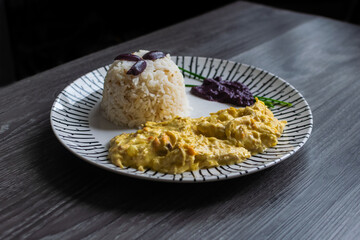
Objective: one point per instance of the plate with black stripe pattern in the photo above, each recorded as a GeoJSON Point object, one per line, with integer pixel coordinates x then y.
{"type": "Point", "coordinates": [77, 123]}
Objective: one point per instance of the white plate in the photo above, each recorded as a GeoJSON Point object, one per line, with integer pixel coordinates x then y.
{"type": "Point", "coordinates": [79, 126]}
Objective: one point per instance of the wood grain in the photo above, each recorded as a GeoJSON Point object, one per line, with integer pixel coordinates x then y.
{"type": "Point", "coordinates": [47, 193]}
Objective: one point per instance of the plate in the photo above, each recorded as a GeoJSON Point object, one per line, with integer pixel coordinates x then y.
{"type": "Point", "coordinates": [77, 123]}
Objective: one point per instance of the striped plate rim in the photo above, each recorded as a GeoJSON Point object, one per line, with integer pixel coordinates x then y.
{"type": "Point", "coordinates": [72, 109]}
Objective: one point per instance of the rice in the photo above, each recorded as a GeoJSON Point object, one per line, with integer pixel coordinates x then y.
{"type": "Point", "coordinates": [157, 94]}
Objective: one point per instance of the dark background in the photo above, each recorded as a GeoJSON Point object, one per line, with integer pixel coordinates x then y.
{"type": "Point", "coordinates": [40, 34]}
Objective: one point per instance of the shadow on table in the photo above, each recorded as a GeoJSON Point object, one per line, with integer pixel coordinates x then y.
{"type": "Point", "coordinates": [73, 178]}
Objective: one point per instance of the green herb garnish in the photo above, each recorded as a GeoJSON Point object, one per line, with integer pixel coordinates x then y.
{"type": "Point", "coordinates": [194, 74]}
{"type": "Point", "coordinates": [273, 100]}
{"type": "Point", "coordinates": [190, 85]}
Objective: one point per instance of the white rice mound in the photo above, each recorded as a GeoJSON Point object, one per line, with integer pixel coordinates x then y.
{"type": "Point", "coordinates": [157, 94]}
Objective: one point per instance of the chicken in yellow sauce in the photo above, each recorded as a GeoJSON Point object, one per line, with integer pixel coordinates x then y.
{"type": "Point", "coordinates": [185, 144]}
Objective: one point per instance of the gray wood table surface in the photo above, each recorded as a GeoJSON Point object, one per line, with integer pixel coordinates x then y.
{"type": "Point", "coordinates": [48, 193]}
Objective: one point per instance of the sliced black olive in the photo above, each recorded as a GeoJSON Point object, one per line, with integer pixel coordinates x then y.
{"type": "Point", "coordinates": [128, 57]}
{"type": "Point", "coordinates": [153, 55]}
{"type": "Point", "coordinates": [137, 68]}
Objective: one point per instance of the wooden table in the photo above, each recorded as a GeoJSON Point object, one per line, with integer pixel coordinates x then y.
{"type": "Point", "coordinates": [47, 192]}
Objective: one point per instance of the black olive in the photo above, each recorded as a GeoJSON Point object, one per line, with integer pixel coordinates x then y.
{"type": "Point", "coordinates": [137, 68]}
{"type": "Point", "coordinates": [153, 55]}
{"type": "Point", "coordinates": [128, 57]}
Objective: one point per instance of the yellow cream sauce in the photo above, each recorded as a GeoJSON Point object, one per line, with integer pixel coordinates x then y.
{"type": "Point", "coordinates": [185, 144]}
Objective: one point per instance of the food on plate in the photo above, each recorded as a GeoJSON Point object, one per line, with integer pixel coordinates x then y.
{"type": "Point", "coordinates": [216, 89]}
{"type": "Point", "coordinates": [182, 144]}
{"type": "Point", "coordinates": [143, 86]}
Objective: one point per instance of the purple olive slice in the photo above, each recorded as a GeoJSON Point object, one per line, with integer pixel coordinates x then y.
{"type": "Point", "coordinates": [153, 55]}
{"type": "Point", "coordinates": [137, 68]}
{"type": "Point", "coordinates": [128, 57]}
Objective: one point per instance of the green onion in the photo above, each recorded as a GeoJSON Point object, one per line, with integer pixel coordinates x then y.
{"type": "Point", "coordinates": [269, 102]}
{"type": "Point", "coordinates": [274, 101]}
{"type": "Point", "coordinates": [194, 74]}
